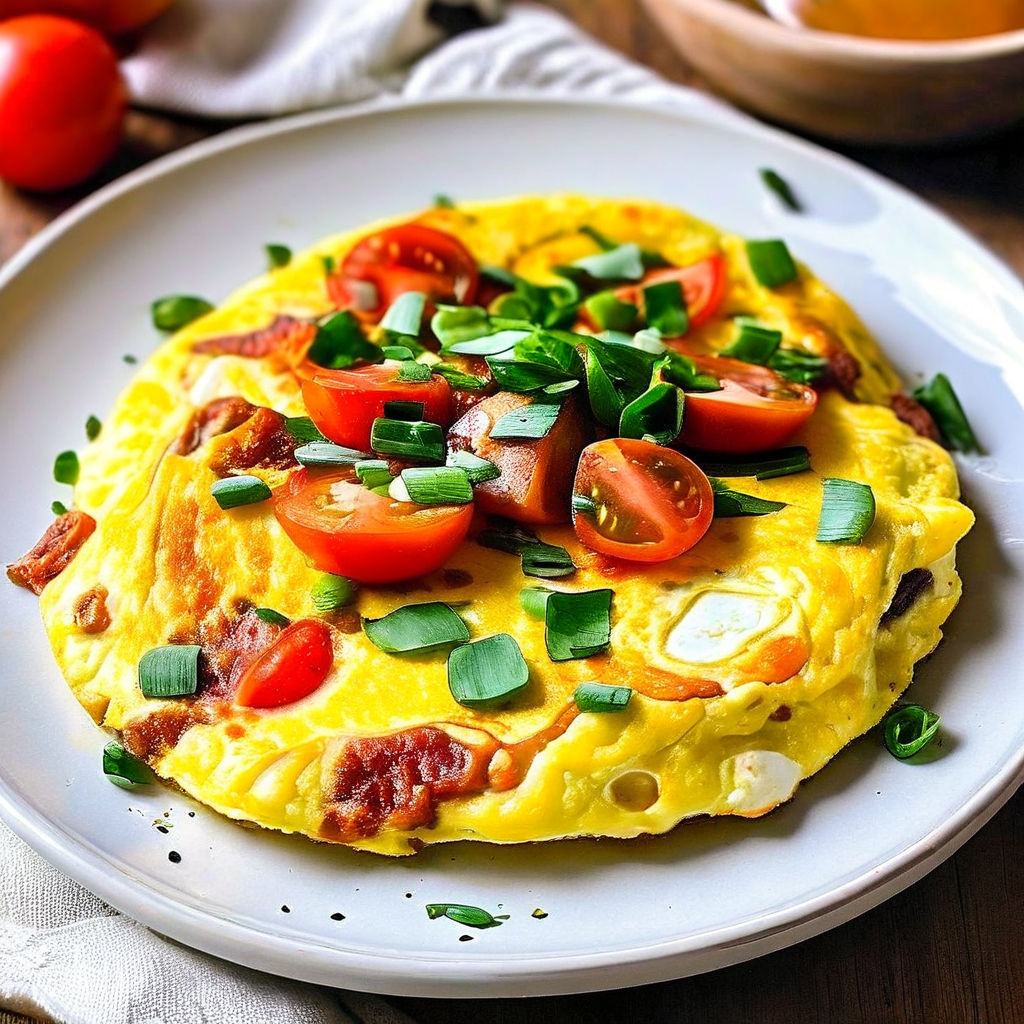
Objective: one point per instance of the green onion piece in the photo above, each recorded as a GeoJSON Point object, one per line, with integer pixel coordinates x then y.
{"type": "Point", "coordinates": [416, 627]}
{"type": "Point", "coordinates": [459, 380]}
{"type": "Point", "coordinates": [908, 729]}
{"type": "Point", "coordinates": [327, 453]}
{"type": "Point", "coordinates": [340, 343]}
{"type": "Point", "coordinates": [235, 491]}
{"type": "Point", "coordinates": [601, 240]}
{"type": "Point", "coordinates": [124, 769]}
{"type": "Point", "coordinates": [405, 314]}
{"type": "Point", "coordinates": [500, 275]}
{"type": "Point", "coordinates": [771, 262]}
{"type": "Point", "coordinates": [489, 345]}
{"type": "Point", "coordinates": [677, 369]}
{"type": "Point", "coordinates": [730, 504]}
{"type": "Point", "coordinates": [561, 387]}
{"type": "Point", "coordinates": [506, 535]}
{"type": "Point", "coordinates": [766, 466]}
{"type": "Point", "coordinates": [400, 352]}
{"type": "Point", "coordinates": [173, 312]}
{"type": "Point", "coordinates": [599, 697]}
{"type": "Point", "coordinates": [939, 398]}
{"type": "Point", "coordinates": [413, 372]}
{"type": "Point", "coordinates": [277, 255]}
{"type": "Point", "coordinates": [605, 402]}
{"type": "Point", "coordinates": [65, 468]}
{"type": "Point", "coordinates": [330, 264]}
{"type": "Point", "coordinates": [487, 673]}
{"type": "Point", "coordinates": [657, 414]}
{"type": "Point", "coordinates": [170, 671]}
{"type": "Point", "coordinates": [847, 511]}
{"type": "Point", "coordinates": [421, 440]}
{"type": "Point", "coordinates": [331, 592]}
{"type": "Point", "coordinates": [546, 561]}
{"type": "Point", "coordinates": [665, 308]}
{"type": "Point", "coordinates": [534, 600]}
{"type": "Point", "coordinates": [443, 202]}
{"type": "Point", "coordinates": [623, 263]}
{"type": "Point", "coordinates": [754, 342]}
{"type": "Point", "coordinates": [471, 917]}
{"type": "Point", "coordinates": [58, 508]}
{"type": "Point", "coordinates": [777, 184]}
{"type": "Point", "coordinates": [609, 312]}
{"type": "Point", "coordinates": [452, 324]}
{"type": "Point", "coordinates": [302, 428]}
{"type": "Point", "coordinates": [477, 469]}
{"type": "Point", "coordinates": [373, 473]}
{"type": "Point", "coordinates": [530, 423]}
{"type": "Point", "coordinates": [438, 485]}
{"type": "Point", "coordinates": [649, 340]}
{"type": "Point", "coordinates": [796, 365]}
{"type": "Point", "coordinates": [577, 625]}
{"type": "Point", "coordinates": [523, 377]}
{"type": "Point", "coordinates": [93, 428]}
{"type": "Point", "coordinates": [275, 618]}
{"type": "Point", "coordinates": [130, 359]}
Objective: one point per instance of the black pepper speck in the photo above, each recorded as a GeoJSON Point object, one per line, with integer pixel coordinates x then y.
{"type": "Point", "coordinates": [174, 857]}
{"type": "Point", "coordinates": [285, 909]}
{"type": "Point", "coordinates": [163, 828]}
{"type": "Point", "coordinates": [465, 938]}
{"type": "Point", "coordinates": [337, 917]}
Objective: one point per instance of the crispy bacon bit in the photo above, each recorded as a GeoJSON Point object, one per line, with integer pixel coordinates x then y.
{"type": "Point", "coordinates": [227, 650]}
{"type": "Point", "coordinates": [262, 440]}
{"type": "Point", "coordinates": [90, 610]}
{"type": "Point", "coordinates": [285, 336]}
{"type": "Point", "coordinates": [911, 586]}
{"type": "Point", "coordinates": [216, 417]}
{"type": "Point", "coordinates": [346, 620]}
{"type": "Point", "coordinates": [781, 714]}
{"type": "Point", "coordinates": [396, 781]}
{"type": "Point", "coordinates": [150, 738]}
{"type": "Point", "coordinates": [51, 554]}
{"type": "Point", "coordinates": [843, 372]}
{"type": "Point", "coordinates": [916, 416]}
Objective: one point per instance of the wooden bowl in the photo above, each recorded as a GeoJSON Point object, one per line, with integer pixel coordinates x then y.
{"type": "Point", "coordinates": [848, 87]}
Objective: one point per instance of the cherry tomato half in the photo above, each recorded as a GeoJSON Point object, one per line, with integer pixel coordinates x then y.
{"type": "Point", "coordinates": [344, 403]}
{"type": "Point", "coordinates": [756, 409]}
{"type": "Point", "coordinates": [62, 101]}
{"type": "Point", "coordinates": [349, 530]}
{"type": "Point", "coordinates": [113, 17]}
{"type": "Point", "coordinates": [645, 503]}
{"type": "Point", "coordinates": [291, 668]}
{"type": "Point", "coordinates": [406, 258]}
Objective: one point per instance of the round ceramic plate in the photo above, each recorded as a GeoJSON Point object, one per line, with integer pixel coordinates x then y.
{"type": "Point", "coordinates": [713, 892]}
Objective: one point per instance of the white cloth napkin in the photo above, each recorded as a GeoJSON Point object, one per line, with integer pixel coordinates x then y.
{"type": "Point", "coordinates": [64, 954]}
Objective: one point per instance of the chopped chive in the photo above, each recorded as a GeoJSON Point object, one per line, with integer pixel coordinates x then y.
{"type": "Point", "coordinates": [93, 428]}
{"type": "Point", "coordinates": [269, 615]}
{"type": "Point", "coordinates": [601, 240]}
{"type": "Point", "coordinates": [490, 344]}
{"type": "Point", "coordinates": [657, 414]}
{"type": "Point", "coordinates": [329, 263]}
{"type": "Point", "coordinates": [302, 428]}
{"type": "Point", "coordinates": [416, 627]}
{"type": "Point", "coordinates": [471, 917]}
{"type": "Point", "coordinates": [939, 398]}
{"type": "Point", "coordinates": [277, 255]}
{"type": "Point", "coordinates": [546, 561]}
{"type": "Point", "coordinates": [729, 503]}
{"type": "Point", "coordinates": [766, 466]}
{"type": "Point", "coordinates": [623, 263]}
{"type": "Point", "coordinates": [796, 365]}
{"type": "Point", "coordinates": [235, 491]}
{"type": "Point", "coordinates": [438, 485]}
{"type": "Point", "coordinates": [534, 600]}
{"type": "Point", "coordinates": [173, 312]}
{"type": "Point", "coordinates": [754, 342]}
{"type": "Point", "coordinates": [130, 359]}
{"type": "Point", "coordinates": [443, 202]}
{"type": "Point", "coordinates": [605, 402]}
{"type": "Point", "coordinates": [327, 453]}
{"type": "Point", "coordinates": [124, 769]}
{"type": "Point", "coordinates": [488, 672]}
{"type": "Point", "coordinates": [665, 308]}
{"type": "Point", "coordinates": [399, 352]}
{"type": "Point", "coordinates": [340, 343]}
{"type": "Point", "coordinates": [771, 262]}
{"type": "Point", "coordinates": [452, 324]}
{"type": "Point", "coordinates": [847, 511]}
{"type": "Point", "coordinates": [610, 313]}
{"type": "Point", "coordinates": [530, 423]}
{"type": "Point", "coordinates": [422, 440]}
{"type": "Point", "coordinates": [599, 697]}
{"type": "Point", "coordinates": [777, 184]}
{"type": "Point", "coordinates": [65, 468]}
{"type": "Point", "coordinates": [171, 671]}
{"type": "Point", "coordinates": [405, 314]}
{"type": "Point", "coordinates": [411, 372]}
{"type": "Point", "coordinates": [523, 377]}
{"type": "Point", "coordinates": [331, 592]}
{"type": "Point", "coordinates": [577, 625]}
{"type": "Point", "coordinates": [373, 473]}
{"type": "Point", "coordinates": [477, 469]}
{"type": "Point", "coordinates": [58, 508]}
{"type": "Point", "coordinates": [908, 729]}
{"type": "Point", "coordinates": [458, 379]}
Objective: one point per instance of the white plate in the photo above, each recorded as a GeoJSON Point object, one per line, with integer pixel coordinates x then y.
{"type": "Point", "coordinates": [711, 893]}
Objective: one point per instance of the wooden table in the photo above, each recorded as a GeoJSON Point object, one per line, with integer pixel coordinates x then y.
{"type": "Point", "coordinates": [949, 950]}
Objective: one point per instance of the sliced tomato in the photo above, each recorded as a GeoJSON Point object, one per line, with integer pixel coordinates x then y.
{"type": "Point", "coordinates": [640, 501]}
{"type": "Point", "coordinates": [349, 530]}
{"type": "Point", "coordinates": [405, 258]}
{"type": "Point", "coordinates": [344, 403]}
{"type": "Point", "coordinates": [291, 668]}
{"type": "Point", "coordinates": [756, 409]}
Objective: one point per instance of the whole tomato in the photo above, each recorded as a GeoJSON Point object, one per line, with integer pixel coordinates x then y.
{"type": "Point", "coordinates": [114, 17]}
{"type": "Point", "coordinates": [62, 101]}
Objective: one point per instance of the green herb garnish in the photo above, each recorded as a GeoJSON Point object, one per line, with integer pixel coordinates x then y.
{"type": "Point", "coordinates": [847, 511]}
{"type": "Point", "coordinates": [340, 343]}
{"type": "Point", "coordinates": [477, 469]}
{"type": "Point", "coordinates": [235, 491]}
{"type": "Point", "coordinates": [908, 729]}
{"type": "Point", "coordinates": [269, 615]}
{"type": "Point", "coordinates": [405, 315]}
{"type": "Point", "coordinates": [411, 372]}
{"type": "Point", "coordinates": [373, 473]}
{"type": "Point", "coordinates": [488, 672]}
{"type": "Point", "coordinates": [93, 428]}
{"type": "Point", "coordinates": [577, 625]}
{"type": "Point", "coordinates": [777, 184]}
{"type": "Point", "coordinates": [65, 468]}
{"type": "Point", "coordinates": [731, 504]}
{"type": "Point", "coordinates": [331, 592]}
{"type": "Point", "coordinates": [599, 697]}
{"type": "Point", "coordinates": [171, 671]}
{"type": "Point", "coordinates": [327, 453]}
{"type": "Point", "coordinates": [416, 627]}
{"type": "Point", "coordinates": [173, 312]}
{"type": "Point", "coordinates": [534, 600]}
{"type": "Point", "coordinates": [530, 423]}
{"type": "Point", "coordinates": [665, 308]}
{"type": "Point", "coordinates": [610, 312]}
{"type": "Point", "coordinates": [771, 262]}
{"type": "Point", "coordinates": [471, 917]}
{"type": "Point", "coordinates": [939, 398]}
{"type": "Point", "coordinates": [437, 485]}
{"type": "Point", "coordinates": [623, 263]}
{"type": "Point", "coordinates": [58, 508]}
{"type": "Point", "coordinates": [656, 415]}
{"type": "Point", "coordinates": [124, 769]}
{"type": "Point", "coordinates": [302, 428]}
{"type": "Point", "coordinates": [766, 466]}
{"type": "Point", "coordinates": [277, 255]}
{"type": "Point", "coordinates": [420, 440]}
{"type": "Point", "coordinates": [754, 342]}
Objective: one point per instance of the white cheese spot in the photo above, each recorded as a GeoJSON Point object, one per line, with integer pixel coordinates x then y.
{"type": "Point", "coordinates": [758, 780]}
{"type": "Point", "coordinates": [718, 624]}
{"type": "Point", "coordinates": [210, 383]}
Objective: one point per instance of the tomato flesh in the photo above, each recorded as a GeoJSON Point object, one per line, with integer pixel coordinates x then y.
{"type": "Point", "coordinates": [344, 403]}
{"type": "Point", "coordinates": [294, 665]}
{"type": "Point", "coordinates": [644, 503]}
{"type": "Point", "coordinates": [756, 409]}
{"type": "Point", "coordinates": [349, 530]}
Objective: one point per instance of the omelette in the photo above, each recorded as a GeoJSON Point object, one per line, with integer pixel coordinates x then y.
{"type": "Point", "coordinates": [510, 521]}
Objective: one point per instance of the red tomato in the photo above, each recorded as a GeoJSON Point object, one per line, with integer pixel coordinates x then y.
{"type": "Point", "coordinates": [344, 403]}
{"type": "Point", "coordinates": [756, 409]}
{"type": "Point", "coordinates": [347, 529]}
{"type": "Point", "coordinates": [406, 258]}
{"type": "Point", "coordinates": [649, 503]}
{"type": "Point", "coordinates": [62, 101]}
{"type": "Point", "coordinates": [111, 16]}
{"type": "Point", "coordinates": [291, 668]}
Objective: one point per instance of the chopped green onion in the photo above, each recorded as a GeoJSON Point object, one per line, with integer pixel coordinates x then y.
{"type": "Point", "coordinates": [623, 263]}
{"type": "Point", "coordinates": [754, 342]}
{"type": "Point", "coordinates": [534, 600]}
{"type": "Point", "coordinates": [657, 414]}
{"type": "Point", "coordinates": [605, 402]}
{"type": "Point", "coordinates": [422, 440]}
{"type": "Point", "coordinates": [546, 561]}
{"type": "Point", "coordinates": [799, 366]}
{"type": "Point", "coordinates": [274, 618]}
{"type": "Point", "coordinates": [523, 377]}
{"type": "Point", "coordinates": [173, 312]}
{"type": "Point", "coordinates": [277, 255]}
{"type": "Point", "coordinates": [609, 312]}
{"type": "Point", "coordinates": [93, 428]}
{"type": "Point", "coordinates": [577, 625]}
{"type": "Point", "coordinates": [487, 673]}
{"type": "Point", "coordinates": [413, 372]}
{"type": "Point", "coordinates": [124, 769]}
{"type": "Point", "coordinates": [438, 485]}
{"type": "Point", "coordinates": [58, 508]}
{"type": "Point", "coordinates": [471, 917]}
{"type": "Point", "coordinates": [235, 491]}
{"type": "Point", "coordinates": [561, 387]}
{"type": "Point", "coordinates": [774, 181]}
{"type": "Point", "coordinates": [490, 344]}
{"type": "Point", "coordinates": [302, 428]}
{"type": "Point", "coordinates": [373, 473]}
{"type": "Point", "coordinates": [766, 466]}
{"type": "Point", "coordinates": [405, 314]}
{"type": "Point", "coordinates": [171, 671]}
{"type": "Point", "coordinates": [847, 511]}
{"type": "Point", "coordinates": [330, 264]}
{"type": "Point", "coordinates": [452, 324]}
{"type": "Point", "coordinates": [582, 505]}
{"type": "Point", "coordinates": [601, 240]}
{"type": "Point", "coordinates": [729, 503]}
{"type": "Point", "coordinates": [400, 352]}
{"type": "Point", "coordinates": [939, 398]}
{"type": "Point", "coordinates": [443, 202]}
{"type": "Point", "coordinates": [65, 468]}
{"type": "Point", "coordinates": [340, 343]}
{"type": "Point", "coordinates": [130, 359]}
{"type": "Point", "coordinates": [506, 535]}
{"type": "Point", "coordinates": [477, 469]}
{"type": "Point", "coordinates": [530, 423]}
{"type": "Point", "coordinates": [908, 729]}
{"type": "Point", "coordinates": [327, 453]}
{"type": "Point", "coordinates": [599, 697]}
{"type": "Point", "coordinates": [416, 627]}
{"type": "Point", "coordinates": [331, 592]}
{"type": "Point", "coordinates": [771, 262]}
{"type": "Point", "coordinates": [459, 380]}
{"type": "Point", "coordinates": [665, 308]}
{"type": "Point", "coordinates": [399, 410]}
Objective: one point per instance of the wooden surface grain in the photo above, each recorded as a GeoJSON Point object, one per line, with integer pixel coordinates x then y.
{"type": "Point", "coordinates": [949, 950]}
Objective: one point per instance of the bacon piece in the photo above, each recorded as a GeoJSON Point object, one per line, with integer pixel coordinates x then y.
{"type": "Point", "coordinates": [285, 336]}
{"type": "Point", "coordinates": [396, 781]}
{"type": "Point", "coordinates": [216, 417]}
{"type": "Point", "coordinates": [151, 737]}
{"type": "Point", "coordinates": [916, 416]}
{"type": "Point", "coordinates": [227, 651]}
{"type": "Point", "coordinates": [262, 440]}
{"type": "Point", "coordinates": [843, 372]}
{"type": "Point", "coordinates": [911, 586]}
{"type": "Point", "coordinates": [57, 546]}
{"type": "Point", "coordinates": [91, 612]}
